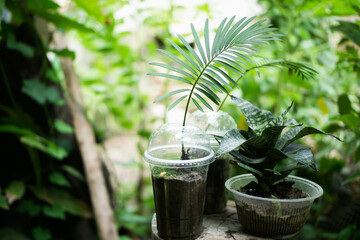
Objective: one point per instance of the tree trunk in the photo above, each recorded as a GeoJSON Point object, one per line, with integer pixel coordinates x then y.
{"type": "Point", "coordinates": [104, 215]}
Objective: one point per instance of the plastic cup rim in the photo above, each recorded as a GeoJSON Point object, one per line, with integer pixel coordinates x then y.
{"type": "Point", "coordinates": [295, 178]}
{"type": "Point", "coordinates": [179, 163]}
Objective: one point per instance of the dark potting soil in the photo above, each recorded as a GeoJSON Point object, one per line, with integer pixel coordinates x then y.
{"type": "Point", "coordinates": [281, 190]}
{"type": "Point", "coordinates": [179, 204]}
{"type": "Point", "coordinates": [216, 193]}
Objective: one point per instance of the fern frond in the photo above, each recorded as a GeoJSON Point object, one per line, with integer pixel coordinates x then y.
{"type": "Point", "coordinates": [208, 70]}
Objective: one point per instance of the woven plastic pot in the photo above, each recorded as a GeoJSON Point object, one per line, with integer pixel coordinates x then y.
{"type": "Point", "coordinates": [179, 184]}
{"type": "Point", "coordinates": [268, 217]}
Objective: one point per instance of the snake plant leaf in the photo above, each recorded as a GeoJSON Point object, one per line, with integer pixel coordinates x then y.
{"type": "Point", "coordinates": [231, 140]}
{"type": "Point", "coordinates": [303, 156]}
{"type": "Point", "coordinates": [248, 160]}
{"type": "Point", "coordinates": [250, 169]}
{"type": "Point", "coordinates": [270, 117]}
{"type": "Point", "coordinates": [255, 118]}
{"type": "Point", "coordinates": [294, 133]}
{"type": "Point", "coordinates": [280, 119]}
{"type": "Point", "coordinates": [268, 137]}
{"type": "Point", "coordinates": [288, 169]}
{"type": "Point", "coordinates": [291, 122]}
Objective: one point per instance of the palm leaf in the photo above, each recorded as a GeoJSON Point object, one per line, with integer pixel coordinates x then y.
{"type": "Point", "coordinates": [231, 44]}
{"type": "Point", "coordinates": [302, 70]}
{"type": "Point", "coordinates": [170, 94]}
{"type": "Point", "coordinates": [177, 102]}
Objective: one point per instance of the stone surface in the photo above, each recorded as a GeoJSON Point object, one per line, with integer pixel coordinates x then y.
{"type": "Point", "coordinates": [222, 226]}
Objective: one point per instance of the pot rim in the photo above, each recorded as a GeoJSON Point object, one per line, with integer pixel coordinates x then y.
{"type": "Point", "coordinates": [307, 182]}
{"type": "Point", "coordinates": [170, 163]}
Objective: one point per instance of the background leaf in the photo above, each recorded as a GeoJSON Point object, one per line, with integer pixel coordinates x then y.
{"type": "Point", "coordinates": [3, 201]}
{"type": "Point", "coordinates": [59, 179]}
{"type": "Point", "coordinates": [63, 127]}
{"type": "Point", "coordinates": [11, 234]}
{"type": "Point", "coordinates": [344, 104]}
{"type": "Point", "coordinates": [44, 145]}
{"type": "Point", "coordinates": [54, 212]}
{"type": "Point", "coordinates": [40, 233]}
{"type": "Point", "coordinates": [73, 171]}
{"type": "Point", "coordinates": [15, 191]}
{"type": "Point", "coordinates": [63, 199]}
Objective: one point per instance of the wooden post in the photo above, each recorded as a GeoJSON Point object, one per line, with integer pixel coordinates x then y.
{"type": "Point", "coordinates": [103, 212]}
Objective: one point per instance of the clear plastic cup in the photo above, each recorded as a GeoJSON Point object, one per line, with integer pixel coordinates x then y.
{"type": "Point", "coordinates": [268, 217]}
{"type": "Point", "coordinates": [179, 158]}
{"type": "Point", "coordinates": [215, 123]}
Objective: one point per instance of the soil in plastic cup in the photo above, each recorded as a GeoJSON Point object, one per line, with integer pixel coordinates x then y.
{"type": "Point", "coordinates": [179, 184]}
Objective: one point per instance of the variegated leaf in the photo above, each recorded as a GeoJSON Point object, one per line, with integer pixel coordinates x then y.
{"type": "Point", "coordinates": [303, 156]}
{"type": "Point", "coordinates": [247, 160]}
{"type": "Point", "coordinates": [231, 140]}
{"type": "Point", "coordinates": [255, 117]}
{"type": "Point", "coordinates": [292, 134]}
{"type": "Point", "coordinates": [280, 119]}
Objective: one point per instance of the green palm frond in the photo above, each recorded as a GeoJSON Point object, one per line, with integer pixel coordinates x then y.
{"type": "Point", "coordinates": [207, 70]}
{"type": "Point", "coordinates": [302, 70]}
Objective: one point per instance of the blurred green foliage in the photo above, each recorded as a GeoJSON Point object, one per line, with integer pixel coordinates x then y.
{"type": "Point", "coordinates": [111, 43]}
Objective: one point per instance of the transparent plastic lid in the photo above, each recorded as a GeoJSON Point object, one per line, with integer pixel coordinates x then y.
{"type": "Point", "coordinates": [213, 123]}
{"type": "Point", "coordinates": [173, 145]}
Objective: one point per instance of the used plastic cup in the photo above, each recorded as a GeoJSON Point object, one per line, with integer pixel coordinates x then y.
{"type": "Point", "coordinates": [179, 158]}
{"type": "Point", "coordinates": [269, 217]}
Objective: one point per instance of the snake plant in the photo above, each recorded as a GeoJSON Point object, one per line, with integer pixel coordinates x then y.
{"type": "Point", "coordinates": [267, 142]}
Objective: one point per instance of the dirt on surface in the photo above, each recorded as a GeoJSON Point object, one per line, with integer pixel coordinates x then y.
{"type": "Point", "coordinates": [282, 190]}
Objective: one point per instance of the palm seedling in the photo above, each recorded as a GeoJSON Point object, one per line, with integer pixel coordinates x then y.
{"type": "Point", "coordinates": [217, 65]}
